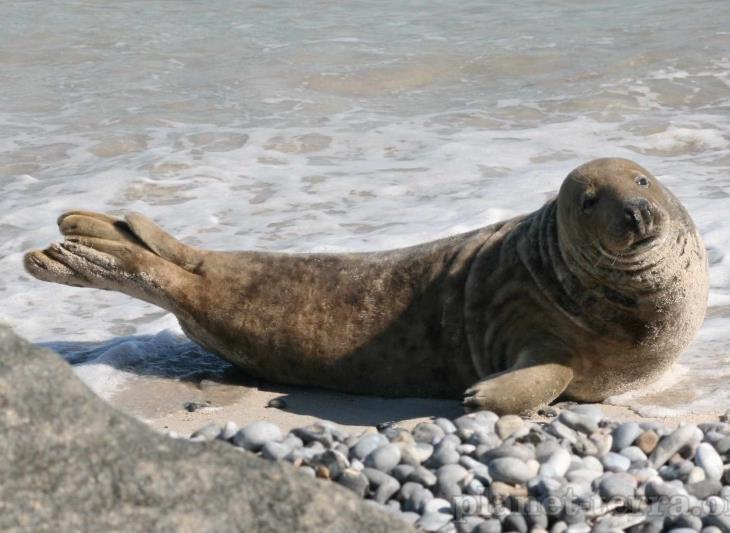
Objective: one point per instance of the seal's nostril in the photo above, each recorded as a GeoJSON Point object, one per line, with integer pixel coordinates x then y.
{"type": "Point", "coordinates": [638, 213]}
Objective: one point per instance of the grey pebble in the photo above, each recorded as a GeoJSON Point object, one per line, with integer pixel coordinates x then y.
{"type": "Point", "coordinates": [307, 471]}
{"type": "Point", "coordinates": [491, 525]}
{"type": "Point", "coordinates": [438, 505]}
{"type": "Point", "coordinates": [366, 444]}
{"type": "Point", "coordinates": [515, 522]}
{"type": "Point", "coordinates": [557, 464]}
{"type": "Point", "coordinates": [384, 485]}
{"type": "Point", "coordinates": [444, 454]}
{"type": "Point", "coordinates": [615, 462]}
{"type": "Point", "coordinates": [446, 425]}
{"type": "Point", "coordinates": [617, 486]}
{"type": "Point", "coordinates": [709, 460]}
{"type": "Point", "coordinates": [433, 521]}
{"type": "Point", "coordinates": [625, 435]}
{"type": "Point", "coordinates": [671, 444]}
{"type": "Point", "coordinates": [208, 432]}
{"type": "Point", "coordinates": [230, 428]}
{"type": "Point", "coordinates": [578, 422]}
{"type": "Point", "coordinates": [428, 432]}
{"type": "Point", "coordinates": [704, 489]}
{"type": "Point", "coordinates": [509, 470]}
{"type": "Point", "coordinates": [253, 436]}
{"type": "Point", "coordinates": [354, 480]}
{"type": "Point", "coordinates": [507, 425]}
{"type": "Point", "coordinates": [633, 453]}
{"type": "Point", "coordinates": [417, 499]}
{"type": "Point", "coordinates": [423, 476]}
{"type": "Point", "coordinates": [402, 471]}
{"type": "Point", "coordinates": [314, 433]}
{"type": "Point", "coordinates": [384, 458]}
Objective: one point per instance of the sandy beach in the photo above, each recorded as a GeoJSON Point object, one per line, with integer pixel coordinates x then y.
{"type": "Point", "coordinates": [247, 402]}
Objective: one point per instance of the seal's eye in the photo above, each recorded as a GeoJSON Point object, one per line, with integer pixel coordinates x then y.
{"type": "Point", "coordinates": [641, 181]}
{"type": "Point", "coordinates": [589, 201]}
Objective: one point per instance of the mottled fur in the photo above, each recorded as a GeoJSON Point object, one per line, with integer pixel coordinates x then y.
{"type": "Point", "coordinates": [564, 301]}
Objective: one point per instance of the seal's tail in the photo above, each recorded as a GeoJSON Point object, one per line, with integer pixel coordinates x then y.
{"type": "Point", "coordinates": [132, 255]}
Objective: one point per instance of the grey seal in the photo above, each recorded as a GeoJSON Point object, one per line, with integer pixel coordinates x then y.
{"type": "Point", "coordinates": [593, 294]}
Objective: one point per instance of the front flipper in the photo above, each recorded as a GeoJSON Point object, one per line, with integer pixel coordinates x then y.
{"type": "Point", "coordinates": [519, 390]}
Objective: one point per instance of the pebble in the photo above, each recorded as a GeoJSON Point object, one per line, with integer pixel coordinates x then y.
{"type": "Point", "coordinates": [672, 443]}
{"type": "Point", "coordinates": [367, 444]}
{"type": "Point", "coordinates": [507, 425]}
{"type": "Point", "coordinates": [433, 521]}
{"type": "Point", "coordinates": [423, 476]}
{"type": "Point", "coordinates": [208, 432]}
{"type": "Point", "coordinates": [276, 403]}
{"type": "Point", "coordinates": [709, 460]}
{"type": "Point", "coordinates": [428, 433]}
{"type": "Point", "coordinates": [557, 464]}
{"type": "Point", "coordinates": [615, 462]}
{"type": "Point", "coordinates": [253, 436]}
{"type": "Point", "coordinates": [579, 422]}
{"type": "Point", "coordinates": [383, 484]}
{"type": "Point", "coordinates": [581, 460]}
{"type": "Point", "coordinates": [354, 480]}
{"type": "Point", "coordinates": [384, 458]}
{"type": "Point", "coordinates": [509, 470]}
{"type": "Point", "coordinates": [625, 435]}
{"type": "Point", "coordinates": [446, 425]}
{"type": "Point", "coordinates": [647, 441]}
{"type": "Point", "coordinates": [617, 486]}
{"type": "Point", "coordinates": [230, 428]}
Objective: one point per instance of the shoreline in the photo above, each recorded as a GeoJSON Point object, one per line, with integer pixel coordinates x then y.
{"type": "Point", "coordinates": [247, 403]}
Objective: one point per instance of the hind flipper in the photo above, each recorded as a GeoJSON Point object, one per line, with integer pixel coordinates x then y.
{"type": "Point", "coordinates": [162, 243]}
{"type": "Point", "coordinates": [104, 253]}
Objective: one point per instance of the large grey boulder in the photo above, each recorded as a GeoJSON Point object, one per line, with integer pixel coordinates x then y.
{"type": "Point", "coordinates": [70, 462]}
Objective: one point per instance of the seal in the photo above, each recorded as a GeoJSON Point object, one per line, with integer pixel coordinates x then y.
{"type": "Point", "coordinates": [595, 293]}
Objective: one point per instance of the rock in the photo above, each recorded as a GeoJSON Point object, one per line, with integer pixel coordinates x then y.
{"type": "Point", "coordinates": [417, 499]}
{"type": "Point", "coordinates": [416, 453]}
{"type": "Point", "coordinates": [625, 435]}
{"type": "Point", "coordinates": [428, 432]}
{"type": "Point", "coordinates": [620, 486]}
{"type": "Point", "coordinates": [384, 458]}
{"type": "Point", "coordinates": [672, 443]}
{"type": "Point", "coordinates": [615, 462]}
{"type": "Point", "coordinates": [509, 470]}
{"type": "Point", "coordinates": [449, 477]}
{"type": "Point", "coordinates": [423, 476]}
{"type": "Point", "coordinates": [87, 467]}
{"type": "Point", "coordinates": [709, 460]}
{"type": "Point", "coordinates": [229, 431]}
{"type": "Point", "coordinates": [208, 432]}
{"type": "Point", "coordinates": [354, 480]}
{"type": "Point", "coordinates": [367, 444]}
{"type": "Point", "coordinates": [507, 425]}
{"type": "Point", "coordinates": [433, 521]}
{"type": "Point", "coordinates": [276, 403]}
{"type": "Point", "coordinates": [253, 436]}
{"type": "Point", "coordinates": [634, 454]}
{"type": "Point", "coordinates": [444, 454]}
{"type": "Point", "coordinates": [438, 505]}
{"type": "Point", "coordinates": [491, 525]}
{"type": "Point", "coordinates": [704, 489]}
{"type": "Point", "coordinates": [647, 441]}
{"type": "Point", "coordinates": [446, 425]}
{"type": "Point", "coordinates": [315, 433]}
{"type": "Point", "coordinates": [515, 522]}
{"type": "Point", "coordinates": [696, 474]}
{"type": "Point", "coordinates": [578, 422]}
{"type": "Point", "coordinates": [557, 465]}
{"type": "Point", "coordinates": [382, 484]}
{"type": "Point", "coordinates": [401, 472]}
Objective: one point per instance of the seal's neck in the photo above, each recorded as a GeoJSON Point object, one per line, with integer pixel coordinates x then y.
{"type": "Point", "coordinates": [621, 296]}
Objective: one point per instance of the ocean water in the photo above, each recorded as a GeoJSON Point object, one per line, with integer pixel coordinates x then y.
{"type": "Point", "coordinates": [323, 126]}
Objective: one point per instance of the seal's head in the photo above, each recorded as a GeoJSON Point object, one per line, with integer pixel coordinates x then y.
{"type": "Point", "coordinates": [615, 207]}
